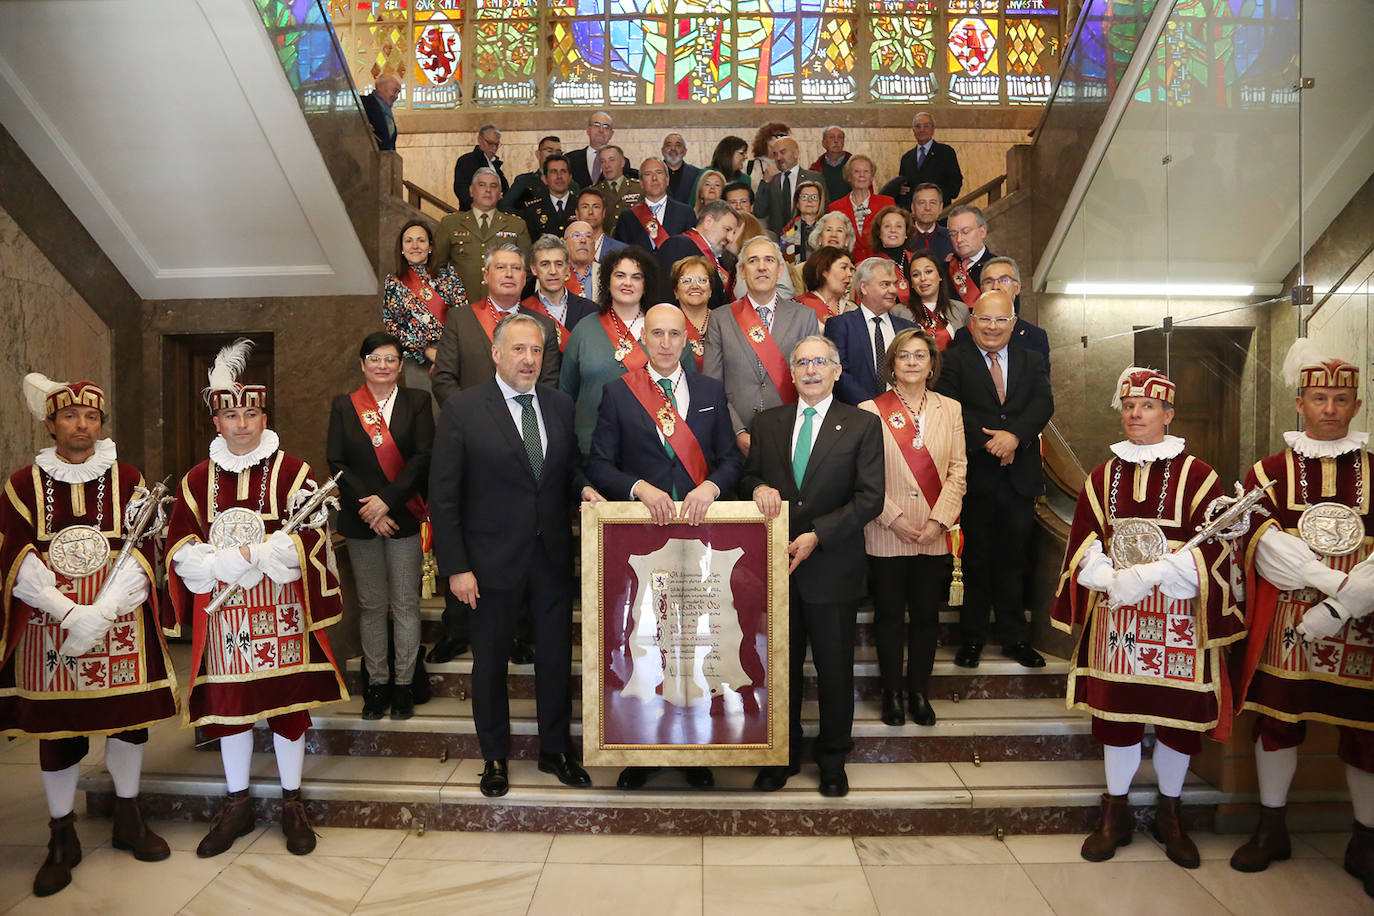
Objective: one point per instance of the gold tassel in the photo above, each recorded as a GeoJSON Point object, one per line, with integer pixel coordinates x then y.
{"type": "Point", "coordinates": [429, 572]}
{"type": "Point", "coordinates": [956, 584]}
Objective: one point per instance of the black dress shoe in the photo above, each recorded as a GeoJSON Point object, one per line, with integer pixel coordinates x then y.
{"type": "Point", "coordinates": [521, 653]}
{"type": "Point", "coordinates": [420, 692]}
{"type": "Point", "coordinates": [968, 655]}
{"type": "Point", "coordinates": [698, 777]}
{"type": "Point", "coordinates": [1023, 655]}
{"type": "Point", "coordinates": [921, 713]}
{"type": "Point", "coordinates": [835, 784]}
{"type": "Point", "coordinates": [446, 650]}
{"type": "Point", "coordinates": [376, 699]}
{"type": "Point", "coordinates": [568, 771]}
{"type": "Point", "coordinates": [495, 779]}
{"type": "Point", "coordinates": [771, 779]}
{"type": "Point", "coordinates": [402, 702]}
{"type": "Point", "coordinates": [892, 708]}
{"type": "Point", "coordinates": [635, 777]}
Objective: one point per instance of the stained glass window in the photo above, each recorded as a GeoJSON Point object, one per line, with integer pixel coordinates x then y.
{"type": "Point", "coordinates": [437, 80]}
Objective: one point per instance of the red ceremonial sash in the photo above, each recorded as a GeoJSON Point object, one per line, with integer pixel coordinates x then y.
{"type": "Point", "coordinates": [631, 359]}
{"type": "Point", "coordinates": [388, 455]}
{"type": "Point", "coordinates": [487, 316]}
{"type": "Point", "coordinates": [645, 215]}
{"type": "Point", "coordinates": [560, 330]}
{"type": "Point", "coordinates": [695, 343]}
{"type": "Point", "coordinates": [426, 293]}
{"type": "Point", "coordinates": [933, 324]}
{"type": "Point", "coordinates": [765, 348]}
{"type": "Point", "coordinates": [817, 305]}
{"type": "Point", "coordinates": [573, 284]}
{"type": "Point", "coordinates": [665, 416]}
{"type": "Point", "coordinates": [963, 283]}
{"type": "Point", "coordinates": [902, 426]}
{"type": "Point", "coordinates": [700, 241]}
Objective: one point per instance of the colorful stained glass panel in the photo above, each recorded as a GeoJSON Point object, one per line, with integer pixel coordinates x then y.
{"type": "Point", "coordinates": [973, 69]}
{"type": "Point", "coordinates": [828, 59]}
{"type": "Point", "coordinates": [503, 61]}
{"type": "Point", "coordinates": [1031, 49]}
{"type": "Point", "coordinates": [902, 57]}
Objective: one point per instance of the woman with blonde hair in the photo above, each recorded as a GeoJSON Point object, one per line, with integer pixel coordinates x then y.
{"type": "Point", "coordinates": [710, 186]}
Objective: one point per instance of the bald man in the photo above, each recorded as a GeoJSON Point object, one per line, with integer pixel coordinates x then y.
{"type": "Point", "coordinates": [377, 105]}
{"type": "Point", "coordinates": [656, 217]}
{"type": "Point", "coordinates": [1006, 399]}
{"type": "Point", "coordinates": [585, 169]}
{"type": "Point", "coordinates": [773, 202]}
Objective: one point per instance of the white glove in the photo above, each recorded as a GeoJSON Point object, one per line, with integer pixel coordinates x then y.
{"type": "Point", "coordinates": [1180, 578]}
{"type": "Point", "coordinates": [1095, 570]}
{"type": "Point", "coordinates": [233, 569]}
{"type": "Point", "coordinates": [1324, 620]}
{"type": "Point", "coordinates": [36, 586]}
{"type": "Point", "coordinates": [126, 590]}
{"type": "Point", "coordinates": [278, 559]}
{"type": "Point", "coordinates": [85, 626]}
{"type": "Point", "coordinates": [1132, 584]}
{"type": "Point", "coordinates": [1357, 594]}
{"type": "Point", "coordinates": [1282, 558]}
{"type": "Point", "coordinates": [195, 566]}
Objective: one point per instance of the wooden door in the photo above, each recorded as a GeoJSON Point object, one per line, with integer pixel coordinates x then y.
{"type": "Point", "coordinates": [187, 429]}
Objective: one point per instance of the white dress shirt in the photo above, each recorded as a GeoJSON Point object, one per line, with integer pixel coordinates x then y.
{"type": "Point", "coordinates": [516, 411]}
{"type": "Point", "coordinates": [816, 422]}
{"type": "Point", "coordinates": [885, 320]}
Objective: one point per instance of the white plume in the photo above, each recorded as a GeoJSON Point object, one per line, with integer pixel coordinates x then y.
{"type": "Point", "coordinates": [1304, 352]}
{"type": "Point", "coordinates": [1125, 373]}
{"type": "Point", "coordinates": [229, 362]}
{"type": "Point", "coordinates": [37, 387]}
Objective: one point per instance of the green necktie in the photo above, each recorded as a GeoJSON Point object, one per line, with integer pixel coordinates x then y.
{"type": "Point", "coordinates": [529, 431]}
{"type": "Point", "coordinates": [803, 453]}
{"type": "Point", "coordinates": [667, 386]}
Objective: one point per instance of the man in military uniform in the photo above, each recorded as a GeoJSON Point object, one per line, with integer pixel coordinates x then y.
{"type": "Point", "coordinates": [81, 649]}
{"type": "Point", "coordinates": [263, 653]}
{"type": "Point", "coordinates": [1310, 591]}
{"type": "Point", "coordinates": [552, 210]}
{"type": "Point", "coordinates": [621, 192]}
{"type": "Point", "coordinates": [463, 239]}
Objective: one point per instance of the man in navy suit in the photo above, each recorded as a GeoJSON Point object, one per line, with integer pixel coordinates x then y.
{"type": "Point", "coordinates": [667, 217]}
{"type": "Point", "coordinates": [862, 335]}
{"type": "Point", "coordinates": [501, 503]}
{"type": "Point", "coordinates": [1001, 273]}
{"type": "Point", "coordinates": [632, 458]}
{"type": "Point", "coordinates": [483, 155]}
{"type": "Point", "coordinates": [377, 104]}
{"type": "Point", "coordinates": [682, 175]}
{"type": "Point", "coordinates": [925, 209]}
{"type": "Point", "coordinates": [931, 161]}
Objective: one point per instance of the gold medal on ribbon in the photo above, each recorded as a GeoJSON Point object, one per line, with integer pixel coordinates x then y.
{"type": "Point", "coordinates": [757, 334]}
{"type": "Point", "coordinates": [667, 420]}
{"type": "Point", "coordinates": [370, 417]}
{"type": "Point", "coordinates": [698, 347]}
{"type": "Point", "coordinates": [896, 420]}
{"type": "Point", "coordinates": [622, 349]}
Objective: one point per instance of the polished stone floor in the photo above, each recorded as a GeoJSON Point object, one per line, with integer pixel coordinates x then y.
{"type": "Point", "coordinates": [392, 871]}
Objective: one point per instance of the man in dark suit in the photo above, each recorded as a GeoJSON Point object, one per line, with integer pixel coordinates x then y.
{"type": "Point", "coordinates": [931, 161]}
{"type": "Point", "coordinates": [715, 229]}
{"type": "Point", "coordinates": [682, 175]}
{"type": "Point", "coordinates": [968, 233]}
{"type": "Point", "coordinates": [825, 459]}
{"type": "Point", "coordinates": [632, 458]}
{"type": "Point", "coordinates": [925, 210]}
{"type": "Point", "coordinates": [1006, 399]}
{"type": "Point", "coordinates": [552, 210]}
{"type": "Point", "coordinates": [862, 335]}
{"type": "Point", "coordinates": [529, 186]}
{"type": "Point", "coordinates": [655, 209]}
{"type": "Point", "coordinates": [585, 167]}
{"type": "Point", "coordinates": [773, 203]}
{"type": "Point", "coordinates": [483, 156]}
{"type": "Point", "coordinates": [500, 502]}
{"type": "Point", "coordinates": [377, 104]}
{"type": "Point", "coordinates": [1000, 273]}
{"type": "Point", "coordinates": [549, 261]}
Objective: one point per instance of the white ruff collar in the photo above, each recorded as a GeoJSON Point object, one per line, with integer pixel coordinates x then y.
{"type": "Point", "coordinates": [1308, 447]}
{"type": "Point", "coordinates": [1127, 450]}
{"type": "Point", "coordinates": [228, 461]}
{"type": "Point", "coordinates": [88, 470]}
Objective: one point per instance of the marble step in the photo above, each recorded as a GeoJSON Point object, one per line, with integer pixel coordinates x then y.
{"type": "Point", "coordinates": [1023, 729]}
{"type": "Point", "coordinates": [995, 678]}
{"type": "Point", "coordinates": [1013, 797]}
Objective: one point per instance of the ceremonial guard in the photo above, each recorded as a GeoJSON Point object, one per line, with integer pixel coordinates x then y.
{"type": "Point", "coordinates": [81, 651]}
{"type": "Point", "coordinates": [252, 571]}
{"type": "Point", "coordinates": [1310, 587]}
{"type": "Point", "coordinates": [1155, 604]}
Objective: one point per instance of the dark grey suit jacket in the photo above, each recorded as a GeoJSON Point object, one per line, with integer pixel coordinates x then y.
{"type": "Point", "coordinates": [772, 209]}
{"type": "Point", "coordinates": [464, 354]}
{"type": "Point", "coordinates": [730, 358]}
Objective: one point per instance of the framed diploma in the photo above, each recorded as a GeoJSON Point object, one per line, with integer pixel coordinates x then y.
{"type": "Point", "coordinates": [684, 638]}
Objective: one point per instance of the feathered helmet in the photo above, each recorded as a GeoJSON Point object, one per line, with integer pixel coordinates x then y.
{"type": "Point", "coordinates": [1140, 382]}
{"type": "Point", "coordinates": [224, 391]}
{"type": "Point", "coordinates": [1306, 366]}
{"type": "Point", "coordinates": [46, 397]}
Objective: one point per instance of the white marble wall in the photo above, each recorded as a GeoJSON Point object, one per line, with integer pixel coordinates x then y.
{"type": "Point", "coordinates": [44, 327]}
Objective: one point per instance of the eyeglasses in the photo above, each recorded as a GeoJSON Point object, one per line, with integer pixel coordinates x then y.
{"type": "Point", "coordinates": [808, 195]}
{"type": "Point", "coordinates": [378, 359]}
{"type": "Point", "coordinates": [1004, 282]}
{"type": "Point", "coordinates": [1000, 321]}
{"type": "Point", "coordinates": [820, 362]}
{"type": "Point", "coordinates": [913, 356]}
{"type": "Point", "coordinates": [693, 281]}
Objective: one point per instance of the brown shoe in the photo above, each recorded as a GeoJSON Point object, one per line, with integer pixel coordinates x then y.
{"type": "Point", "coordinates": [1269, 843]}
{"type": "Point", "coordinates": [300, 836]}
{"type": "Point", "coordinates": [234, 820]}
{"type": "Point", "coordinates": [1115, 828]}
{"type": "Point", "coordinates": [131, 833]}
{"type": "Point", "coordinates": [1359, 856]}
{"type": "Point", "coordinates": [64, 854]}
{"type": "Point", "coordinates": [1168, 829]}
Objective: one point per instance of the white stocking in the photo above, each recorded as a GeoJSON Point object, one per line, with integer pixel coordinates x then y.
{"type": "Point", "coordinates": [125, 763]}
{"type": "Point", "coordinates": [237, 753]}
{"type": "Point", "coordinates": [1275, 770]}
{"type": "Point", "coordinates": [290, 760]}
{"type": "Point", "coordinates": [1171, 768]}
{"type": "Point", "coordinates": [1361, 794]}
{"type": "Point", "coordinates": [60, 787]}
{"type": "Point", "coordinates": [1121, 763]}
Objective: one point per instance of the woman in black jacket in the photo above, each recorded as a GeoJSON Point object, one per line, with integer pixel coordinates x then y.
{"type": "Point", "coordinates": [380, 437]}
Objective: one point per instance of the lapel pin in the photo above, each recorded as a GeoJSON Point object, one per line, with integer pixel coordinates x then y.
{"type": "Point", "coordinates": [838, 427]}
